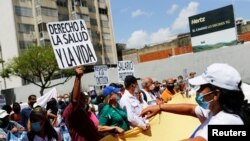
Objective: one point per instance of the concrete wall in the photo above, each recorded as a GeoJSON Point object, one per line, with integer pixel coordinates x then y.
{"type": "Point", "coordinates": [237, 56]}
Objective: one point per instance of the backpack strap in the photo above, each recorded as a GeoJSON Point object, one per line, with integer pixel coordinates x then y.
{"type": "Point", "coordinates": [144, 96]}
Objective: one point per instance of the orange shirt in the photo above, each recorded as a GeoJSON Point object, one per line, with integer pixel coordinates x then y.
{"type": "Point", "coordinates": [166, 95]}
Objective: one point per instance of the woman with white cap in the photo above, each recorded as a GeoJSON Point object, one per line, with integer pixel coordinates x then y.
{"type": "Point", "coordinates": [219, 97]}
{"type": "Point", "coordinates": [7, 125]}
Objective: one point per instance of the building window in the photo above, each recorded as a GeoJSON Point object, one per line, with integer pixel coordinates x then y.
{"type": "Point", "coordinates": [38, 2]}
{"type": "Point", "coordinates": [45, 42]}
{"type": "Point", "coordinates": [102, 1]}
{"type": "Point", "coordinates": [103, 11]}
{"type": "Point", "coordinates": [25, 44]}
{"type": "Point", "coordinates": [95, 34]}
{"type": "Point", "coordinates": [82, 3]}
{"type": "Point", "coordinates": [23, 11]}
{"type": "Point", "coordinates": [106, 36]}
{"type": "Point", "coordinates": [49, 12]}
{"type": "Point", "coordinates": [108, 60]}
{"type": "Point", "coordinates": [63, 17]}
{"type": "Point", "coordinates": [62, 3]}
{"type": "Point", "coordinates": [92, 9]}
{"type": "Point", "coordinates": [105, 23]}
{"type": "Point", "coordinates": [83, 16]}
{"type": "Point", "coordinates": [108, 49]}
{"type": "Point", "coordinates": [25, 28]}
{"type": "Point", "coordinates": [42, 27]}
{"type": "Point", "coordinates": [93, 22]}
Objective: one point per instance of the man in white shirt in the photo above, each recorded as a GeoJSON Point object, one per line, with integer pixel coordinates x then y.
{"type": "Point", "coordinates": [146, 91]}
{"type": "Point", "coordinates": [132, 105]}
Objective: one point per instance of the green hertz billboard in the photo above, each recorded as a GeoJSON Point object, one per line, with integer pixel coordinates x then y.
{"type": "Point", "coordinates": [213, 29]}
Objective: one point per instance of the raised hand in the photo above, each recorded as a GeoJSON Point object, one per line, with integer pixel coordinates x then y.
{"type": "Point", "coordinates": [79, 71]}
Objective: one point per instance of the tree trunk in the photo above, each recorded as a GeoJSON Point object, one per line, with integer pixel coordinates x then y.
{"type": "Point", "coordinates": [41, 91]}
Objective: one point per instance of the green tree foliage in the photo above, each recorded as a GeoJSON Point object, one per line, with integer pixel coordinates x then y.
{"type": "Point", "coordinates": [38, 65]}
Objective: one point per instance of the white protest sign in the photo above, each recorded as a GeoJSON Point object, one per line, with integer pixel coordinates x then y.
{"type": "Point", "coordinates": [71, 43]}
{"type": "Point", "coordinates": [125, 68]}
{"type": "Point", "coordinates": [101, 75]}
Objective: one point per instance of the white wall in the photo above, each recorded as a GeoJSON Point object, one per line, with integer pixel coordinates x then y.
{"type": "Point", "coordinates": [237, 56]}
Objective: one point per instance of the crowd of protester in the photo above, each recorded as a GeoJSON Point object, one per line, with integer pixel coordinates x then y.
{"type": "Point", "coordinates": [80, 116]}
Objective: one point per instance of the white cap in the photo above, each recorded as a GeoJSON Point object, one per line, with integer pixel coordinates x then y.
{"type": "Point", "coordinates": [36, 104]}
{"type": "Point", "coordinates": [3, 113]}
{"type": "Point", "coordinates": [220, 75]}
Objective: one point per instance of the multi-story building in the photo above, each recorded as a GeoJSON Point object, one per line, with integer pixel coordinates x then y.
{"type": "Point", "coordinates": [23, 23]}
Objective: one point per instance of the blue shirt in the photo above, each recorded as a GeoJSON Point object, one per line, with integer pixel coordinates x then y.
{"type": "Point", "coordinates": [25, 114]}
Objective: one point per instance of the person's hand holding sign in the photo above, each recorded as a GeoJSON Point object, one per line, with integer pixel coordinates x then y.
{"type": "Point", "coordinates": [79, 71]}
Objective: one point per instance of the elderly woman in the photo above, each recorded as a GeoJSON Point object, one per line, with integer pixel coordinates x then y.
{"type": "Point", "coordinates": [112, 118]}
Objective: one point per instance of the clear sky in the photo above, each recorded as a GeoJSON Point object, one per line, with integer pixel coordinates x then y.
{"type": "Point", "coordinates": [140, 22]}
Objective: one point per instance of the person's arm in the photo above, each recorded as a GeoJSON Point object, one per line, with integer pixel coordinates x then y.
{"type": "Point", "coordinates": [198, 138]}
{"type": "Point", "coordinates": [183, 109]}
{"type": "Point", "coordinates": [110, 128]}
{"type": "Point", "coordinates": [133, 118]}
{"type": "Point", "coordinates": [77, 85]}
{"type": "Point", "coordinates": [17, 127]}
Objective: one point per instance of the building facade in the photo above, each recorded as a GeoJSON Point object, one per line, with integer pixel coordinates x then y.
{"type": "Point", "coordinates": [243, 30]}
{"type": "Point", "coordinates": [23, 24]}
{"type": "Point", "coordinates": [180, 45]}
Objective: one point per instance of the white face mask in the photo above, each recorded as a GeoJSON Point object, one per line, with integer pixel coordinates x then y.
{"type": "Point", "coordinates": [66, 99]}
{"type": "Point", "coordinates": [137, 89]}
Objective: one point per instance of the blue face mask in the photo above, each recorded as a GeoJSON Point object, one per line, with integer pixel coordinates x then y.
{"type": "Point", "coordinates": [118, 97]}
{"type": "Point", "coordinates": [201, 102]}
{"type": "Point", "coordinates": [36, 126]}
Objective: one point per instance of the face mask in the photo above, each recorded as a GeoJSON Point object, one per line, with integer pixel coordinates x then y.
{"type": "Point", "coordinates": [85, 107]}
{"type": "Point", "coordinates": [66, 100]}
{"type": "Point", "coordinates": [137, 89]}
{"type": "Point", "coordinates": [36, 126]}
{"type": "Point", "coordinates": [199, 100]}
{"type": "Point", "coordinates": [118, 97]}
{"type": "Point", "coordinates": [162, 87]}
{"type": "Point", "coordinates": [170, 86]}
{"type": "Point", "coordinates": [157, 88]}
{"type": "Point", "coordinates": [4, 122]}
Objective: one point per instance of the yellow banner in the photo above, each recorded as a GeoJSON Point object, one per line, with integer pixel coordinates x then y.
{"type": "Point", "coordinates": [164, 126]}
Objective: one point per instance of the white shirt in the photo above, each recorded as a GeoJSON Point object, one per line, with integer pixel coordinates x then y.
{"type": "Point", "coordinates": [222, 118]}
{"type": "Point", "coordinates": [133, 108]}
{"type": "Point", "coordinates": [151, 99]}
